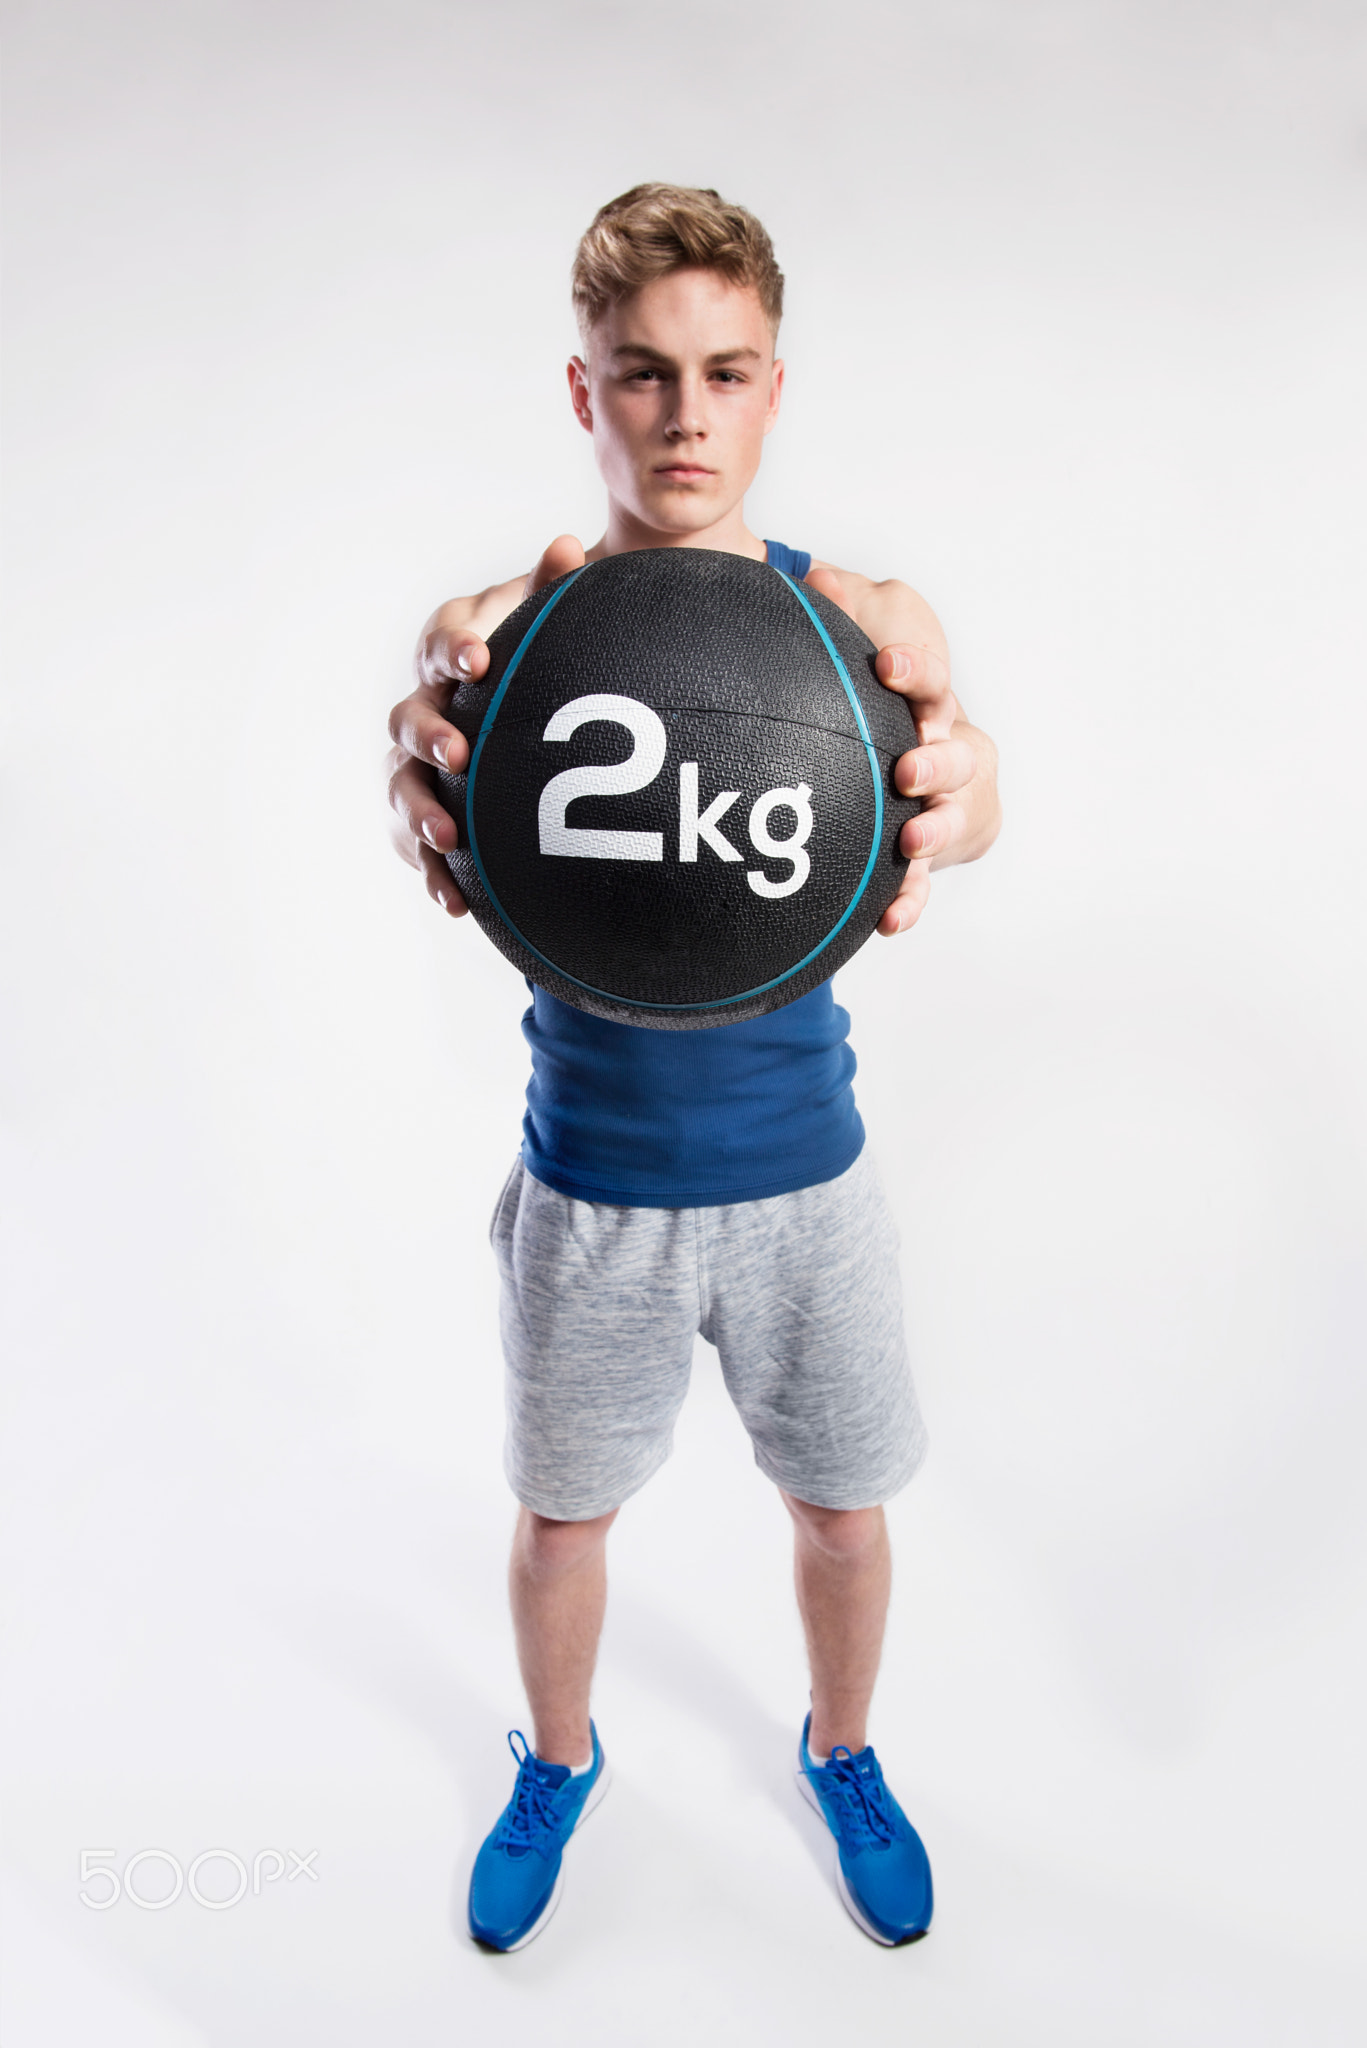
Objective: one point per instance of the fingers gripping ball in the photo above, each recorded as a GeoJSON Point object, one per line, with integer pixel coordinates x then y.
{"type": "Point", "coordinates": [679, 808]}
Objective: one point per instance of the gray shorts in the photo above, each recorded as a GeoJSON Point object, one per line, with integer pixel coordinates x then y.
{"type": "Point", "coordinates": [799, 1293]}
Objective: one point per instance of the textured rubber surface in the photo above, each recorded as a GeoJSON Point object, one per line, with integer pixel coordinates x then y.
{"type": "Point", "coordinates": [749, 684]}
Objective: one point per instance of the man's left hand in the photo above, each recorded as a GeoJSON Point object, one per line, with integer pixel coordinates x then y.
{"type": "Point", "coordinates": [954, 768]}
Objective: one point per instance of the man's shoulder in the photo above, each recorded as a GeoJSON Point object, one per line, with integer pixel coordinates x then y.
{"type": "Point", "coordinates": [889, 611]}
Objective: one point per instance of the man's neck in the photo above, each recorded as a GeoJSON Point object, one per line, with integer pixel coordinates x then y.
{"type": "Point", "coordinates": [625, 532]}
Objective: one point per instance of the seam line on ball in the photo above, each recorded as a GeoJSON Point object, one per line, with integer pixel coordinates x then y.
{"type": "Point", "coordinates": [864, 734]}
{"type": "Point", "coordinates": [721, 1002]}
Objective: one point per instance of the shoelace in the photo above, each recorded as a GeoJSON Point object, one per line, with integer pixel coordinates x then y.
{"type": "Point", "coordinates": [531, 1810]}
{"type": "Point", "coordinates": [862, 1799]}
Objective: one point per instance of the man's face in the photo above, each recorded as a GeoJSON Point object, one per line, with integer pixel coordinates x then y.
{"type": "Point", "coordinates": [679, 391]}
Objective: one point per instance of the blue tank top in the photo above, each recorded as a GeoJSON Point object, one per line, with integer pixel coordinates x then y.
{"type": "Point", "coordinates": [687, 1119]}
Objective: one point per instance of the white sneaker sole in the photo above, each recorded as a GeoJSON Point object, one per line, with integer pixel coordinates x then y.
{"type": "Point", "coordinates": [595, 1798]}
{"type": "Point", "coordinates": [808, 1791]}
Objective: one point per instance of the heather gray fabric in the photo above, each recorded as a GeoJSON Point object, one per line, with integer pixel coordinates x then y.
{"type": "Point", "coordinates": [799, 1293]}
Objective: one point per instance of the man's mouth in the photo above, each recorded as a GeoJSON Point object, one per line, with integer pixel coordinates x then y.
{"type": "Point", "coordinates": [683, 469]}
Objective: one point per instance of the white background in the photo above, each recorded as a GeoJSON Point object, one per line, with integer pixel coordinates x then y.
{"type": "Point", "coordinates": [1075, 344]}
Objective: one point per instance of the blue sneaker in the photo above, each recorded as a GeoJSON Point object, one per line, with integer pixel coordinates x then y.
{"type": "Point", "coordinates": [516, 1882]}
{"type": "Point", "coordinates": [882, 1868]}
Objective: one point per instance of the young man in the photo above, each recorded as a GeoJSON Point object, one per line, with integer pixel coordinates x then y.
{"type": "Point", "coordinates": [622, 1173]}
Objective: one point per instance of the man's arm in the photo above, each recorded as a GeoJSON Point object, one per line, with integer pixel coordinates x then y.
{"type": "Point", "coordinates": [954, 769]}
{"type": "Point", "coordinates": [451, 648]}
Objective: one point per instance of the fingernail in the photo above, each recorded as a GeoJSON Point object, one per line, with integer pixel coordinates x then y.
{"type": "Point", "coordinates": [441, 898]}
{"type": "Point", "coordinates": [439, 752]}
{"type": "Point", "coordinates": [463, 661]}
{"type": "Point", "coordinates": [901, 667]}
{"type": "Point", "coordinates": [429, 833]}
{"type": "Point", "coordinates": [924, 766]}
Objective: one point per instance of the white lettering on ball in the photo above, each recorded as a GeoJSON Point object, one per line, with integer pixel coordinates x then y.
{"type": "Point", "coordinates": [641, 766]}
{"type": "Point", "coordinates": [695, 825]}
{"type": "Point", "coordinates": [798, 801]}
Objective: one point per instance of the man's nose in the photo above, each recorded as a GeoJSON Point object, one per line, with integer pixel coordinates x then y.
{"type": "Point", "coordinates": [688, 421]}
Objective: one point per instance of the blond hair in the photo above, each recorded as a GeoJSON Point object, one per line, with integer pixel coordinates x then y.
{"type": "Point", "coordinates": [655, 229]}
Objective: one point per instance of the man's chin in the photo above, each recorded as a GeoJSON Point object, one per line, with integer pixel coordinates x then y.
{"type": "Point", "coordinates": [684, 509]}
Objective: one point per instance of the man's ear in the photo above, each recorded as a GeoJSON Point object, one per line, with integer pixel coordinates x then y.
{"type": "Point", "coordinates": [577, 371]}
{"type": "Point", "coordinates": [775, 394]}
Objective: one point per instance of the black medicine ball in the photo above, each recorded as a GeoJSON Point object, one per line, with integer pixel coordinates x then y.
{"type": "Point", "coordinates": [679, 808]}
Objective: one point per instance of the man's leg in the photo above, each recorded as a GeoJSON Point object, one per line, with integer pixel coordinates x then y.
{"type": "Point", "coordinates": [843, 1569]}
{"type": "Point", "coordinates": [557, 1583]}
{"type": "Point", "coordinates": [598, 1314]}
{"type": "Point", "coordinates": [844, 1575]}
{"type": "Point", "coordinates": [805, 1310]}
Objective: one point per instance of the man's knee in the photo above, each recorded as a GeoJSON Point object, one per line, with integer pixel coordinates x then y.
{"type": "Point", "coordinates": [549, 1548]}
{"type": "Point", "coordinates": [846, 1534]}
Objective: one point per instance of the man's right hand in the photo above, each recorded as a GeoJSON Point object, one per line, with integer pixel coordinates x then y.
{"type": "Point", "coordinates": [451, 650]}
